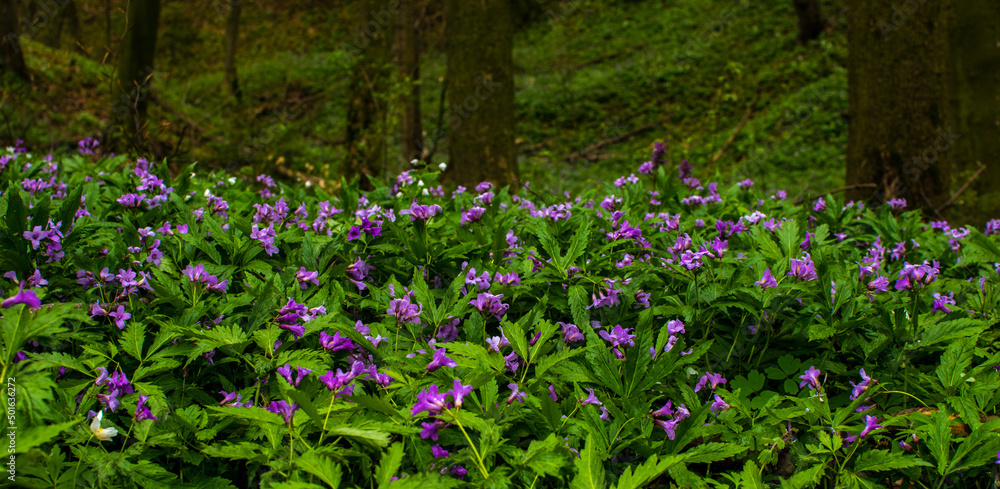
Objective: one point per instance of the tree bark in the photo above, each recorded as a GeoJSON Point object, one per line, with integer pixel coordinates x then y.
{"type": "Point", "coordinates": [11, 58]}
{"type": "Point", "coordinates": [408, 62]}
{"type": "Point", "coordinates": [366, 111]}
{"type": "Point", "coordinates": [479, 45]}
{"type": "Point", "coordinates": [232, 39]}
{"type": "Point", "coordinates": [974, 86]}
{"type": "Point", "coordinates": [812, 23]}
{"type": "Point", "coordinates": [135, 68]}
{"type": "Point", "coordinates": [899, 135]}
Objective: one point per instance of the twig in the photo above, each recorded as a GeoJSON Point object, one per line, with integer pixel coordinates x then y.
{"type": "Point", "coordinates": [732, 137]}
{"type": "Point", "coordinates": [838, 190]}
{"type": "Point", "coordinates": [951, 200]}
{"type": "Point", "coordinates": [607, 142]}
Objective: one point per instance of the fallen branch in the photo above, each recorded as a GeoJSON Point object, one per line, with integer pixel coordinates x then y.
{"type": "Point", "coordinates": [951, 200]}
{"type": "Point", "coordinates": [587, 153]}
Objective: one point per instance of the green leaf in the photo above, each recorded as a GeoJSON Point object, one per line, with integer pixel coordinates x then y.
{"type": "Point", "coordinates": [578, 306]}
{"type": "Point", "coordinates": [389, 465]}
{"type": "Point", "coordinates": [372, 437]}
{"type": "Point", "coordinates": [39, 435]}
{"type": "Point", "coordinates": [881, 460]}
{"type": "Point", "coordinates": [950, 330]}
{"type": "Point", "coordinates": [751, 475]}
{"type": "Point", "coordinates": [577, 246]}
{"type": "Point", "coordinates": [788, 236]}
{"type": "Point", "coordinates": [544, 457]}
{"type": "Point", "coordinates": [955, 364]}
{"type": "Point", "coordinates": [133, 338]}
{"type": "Point", "coordinates": [252, 414]}
{"type": "Point", "coordinates": [590, 468]}
{"type": "Point", "coordinates": [647, 472]}
{"type": "Point", "coordinates": [553, 359]}
{"type": "Point", "coordinates": [321, 467]}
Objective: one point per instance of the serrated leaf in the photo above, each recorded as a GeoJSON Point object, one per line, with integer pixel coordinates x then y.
{"type": "Point", "coordinates": [389, 464]}
{"type": "Point", "coordinates": [880, 460]}
{"type": "Point", "coordinates": [133, 338]}
{"type": "Point", "coordinates": [321, 467]}
{"type": "Point", "coordinates": [589, 468]}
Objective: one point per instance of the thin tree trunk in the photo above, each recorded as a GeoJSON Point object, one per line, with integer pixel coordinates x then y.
{"type": "Point", "coordinates": [974, 86]}
{"type": "Point", "coordinates": [232, 39]}
{"type": "Point", "coordinates": [135, 68]}
{"type": "Point", "coordinates": [898, 133]}
{"type": "Point", "coordinates": [408, 61]}
{"type": "Point", "coordinates": [11, 58]}
{"type": "Point", "coordinates": [372, 52]}
{"type": "Point", "coordinates": [73, 17]}
{"type": "Point", "coordinates": [812, 23]}
{"type": "Point", "coordinates": [479, 44]}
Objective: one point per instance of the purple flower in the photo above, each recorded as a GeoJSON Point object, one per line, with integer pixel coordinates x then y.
{"type": "Point", "coordinates": [419, 212]}
{"type": "Point", "coordinates": [871, 424]}
{"type": "Point", "coordinates": [516, 394]}
{"type": "Point", "coordinates": [590, 399]}
{"type": "Point", "coordinates": [879, 284]}
{"type": "Point", "coordinates": [335, 342]}
{"type": "Point", "coordinates": [404, 311]}
{"type": "Point", "coordinates": [110, 400]}
{"type": "Point", "coordinates": [286, 372]}
{"type": "Point", "coordinates": [336, 381]}
{"type": "Point", "coordinates": [810, 378]}
{"type": "Point", "coordinates": [102, 378]}
{"type": "Point", "coordinates": [304, 277]}
{"type": "Point", "coordinates": [431, 429]}
{"type": "Point", "coordinates": [552, 393]}
{"type": "Point", "coordinates": [142, 412]}
{"type": "Point", "coordinates": [440, 360]}
{"type": "Point", "coordinates": [297, 330]}
{"type": "Point", "coordinates": [438, 452]}
{"type": "Point", "coordinates": [803, 269]}
{"type": "Point", "coordinates": [489, 305]}
{"type": "Point", "coordinates": [120, 316]}
{"type": "Point", "coordinates": [714, 379]}
{"type": "Point", "coordinates": [912, 277]}
{"type": "Point", "coordinates": [767, 280]}
{"type": "Point", "coordinates": [571, 333]}
{"type": "Point", "coordinates": [897, 204]}
{"type": "Point", "coordinates": [28, 298]}
{"type": "Point", "coordinates": [719, 404]}
{"type": "Point", "coordinates": [619, 336]}
{"type": "Point", "coordinates": [282, 408]}
{"type": "Point", "coordinates": [458, 392]}
{"type": "Point", "coordinates": [857, 390]}
{"type": "Point", "coordinates": [431, 401]}
{"type": "Point", "coordinates": [941, 302]}
{"type": "Point", "coordinates": [474, 214]}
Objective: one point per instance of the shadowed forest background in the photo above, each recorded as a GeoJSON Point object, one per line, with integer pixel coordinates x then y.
{"type": "Point", "coordinates": [876, 100]}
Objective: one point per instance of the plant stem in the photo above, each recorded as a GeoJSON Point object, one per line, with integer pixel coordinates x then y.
{"type": "Point", "coordinates": [479, 459]}
{"type": "Point", "coordinates": [328, 409]}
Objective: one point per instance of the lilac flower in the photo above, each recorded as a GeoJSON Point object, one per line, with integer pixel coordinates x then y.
{"type": "Point", "coordinates": [194, 274]}
{"type": "Point", "coordinates": [28, 298]}
{"type": "Point", "coordinates": [511, 278]}
{"type": "Point", "coordinates": [871, 424]}
{"type": "Point", "coordinates": [897, 204]}
{"type": "Point", "coordinates": [458, 392]}
{"type": "Point", "coordinates": [336, 381]}
{"type": "Point", "coordinates": [719, 404]}
{"type": "Point", "coordinates": [646, 168]}
{"type": "Point", "coordinates": [297, 330]}
{"type": "Point", "coordinates": [282, 408]}
{"type": "Point", "coordinates": [438, 452]}
{"type": "Point", "coordinates": [431, 401]}
{"type": "Point", "coordinates": [767, 280]}
{"type": "Point", "coordinates": [132, 201]}
{"type": "Point", "coordinates": [489, 305]}
{"type": "Point", "coordinates": [120, 316]}
{"type": "Point", "coordinates": [286, 372]}
{"type": "Point", "coordinates": [860, 388]}
{"type": "Point", "coordinates": [36, 236]}
{"type": "Point", "coordinates": [714, 379]}
{"type": "Point", "coordinates": [142, 412]}
{"type": "Point", "coordinates": [803, 269]}
{"type": "Point", "coordinates": [110, 400]}
{"type": "Point", "coordinates": [642, 299]}
{"type": "Point", "coordinates": [304, 277]}
{"type": "Point", "coordinates": [605, 298]}
{"type": "Point", "coordinates": [516, 394]}
{"type": "Point", "coordinates": [810, 378]}
{"type": "Point", "coordinates": [552, 393]}
{"type": "Point", "coordinates": [879, 284]}
{"type": "Point", "coordinates": [440, 360]}
{"type": "Point", "coordinates": [472, 215]}
{"type": "Point", "coordinates": [675, 327]}
{"type": "Point", "coordinates": [619, 336]}
{"type": "Point", "coordinates": [745, 184]}
{"type": "Point", "coordinates": [820, 205]}
{"type": "Point", "coordinates": [666, 410]}
{"type": "Point", "coordinates": [431, 429]}
{"type": "Point", "coordinates": [684, 169]}
{"type": "Point", "coordinates": [482, 282]}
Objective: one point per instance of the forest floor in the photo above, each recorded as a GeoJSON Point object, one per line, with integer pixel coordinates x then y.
{"type": "Point", "coordinates": [724, 83]}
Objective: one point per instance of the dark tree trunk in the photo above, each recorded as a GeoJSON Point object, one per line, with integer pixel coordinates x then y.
{"type": "Point", "coordinates": [479, 44]}
{"type": "Point", "coordinates": [135, 68]}
{"type": "Point", "coordinates": [232, 39]}
{"type": "Point", "coordinates": [11, 58]}
{"type": "Point", "coordinates": [366, 111]}
{"type": "Point", "coordinates": [898, 134]}
{"type": "Point", "coordinates": [812, 23]}
{"type": "Point", "coordinates": [73, 17]}
{"type": "Point", "coordinates": [408, 61]}
{"type": "Point", "coordinates": [974, 85]}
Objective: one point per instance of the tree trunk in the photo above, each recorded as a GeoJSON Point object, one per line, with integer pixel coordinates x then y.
{"type": "Point", "coordinates": [408, 61]}
{"type": "Point", "coordinates": [974, 85]}
{"type": "Point", "coordinates": [898, 136]}
{"type": "Point", "coordinates": [812, 23]}
{"type": "Point", "coordinates": [11, 58]}
{"type": "Point", "coordinates": [479, 45]}
{"type": "Point", "coordinates": [232, 37]}
{"type": "Point", "coordinates": [73, 17]}
{"type": "Point", "coordinates": [366, 111]}
{"type": "Point", "coordinates": [135, 68]}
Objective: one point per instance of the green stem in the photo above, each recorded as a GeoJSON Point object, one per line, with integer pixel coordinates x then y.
{"type": "Point", "coordinates": [328, 409]}
{"type": "Point", "coordinates": [479, 459]}
{"type": "Point", "coordinates": [77, 471]}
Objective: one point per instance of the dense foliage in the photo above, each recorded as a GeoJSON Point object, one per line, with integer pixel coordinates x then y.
{"type": "Point", "coordinates": [227, 331]}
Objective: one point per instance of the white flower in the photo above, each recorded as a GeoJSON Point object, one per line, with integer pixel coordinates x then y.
{"type": "Point", "coordinates": [192, 174]}
{"type": "Point", "coordinates": [232, 180]}
{"type": "Point", "coordinates": [415, 162]}
{"type": "Point", "coordinates": [443, 166]}
{"type": "Point", "coordinates": [105, 434]}
{"type": "Point", "coordinates": [425, 192]}
{"type": "Point", "coordinates": [420, 183]}
{"type": "Point", "coordinates": [399, 195]}
{"type": "Point", "coordinates": [309, 183]}
{"type": "Point", "coordinates": [208, 193]}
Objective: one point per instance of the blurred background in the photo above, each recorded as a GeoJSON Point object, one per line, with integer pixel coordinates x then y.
{"type": "Point", "coordinates": [870, 99]}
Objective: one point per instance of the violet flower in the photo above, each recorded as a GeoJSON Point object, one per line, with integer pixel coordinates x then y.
{"type": "Point", "coordinates": [810, 378]}
{"type": "Point", "coordinates": [712, 379]}
{"type": "Point", "coordinates": [431, 401]}
{"type": "Point", "coordinates": [767, 280]}
{"type": "Point", "coordinates": [440, 360]}
{"type": "Point", "coordinates": [516, 394]}
{"type": "Point", "coordinates": [28, 298]}
{"type": "Point", "coordinates": [142, 412]}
